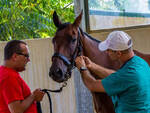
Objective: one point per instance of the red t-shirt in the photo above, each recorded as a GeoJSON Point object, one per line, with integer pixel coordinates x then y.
{"type": "Point", "coordinates": [12, 88]}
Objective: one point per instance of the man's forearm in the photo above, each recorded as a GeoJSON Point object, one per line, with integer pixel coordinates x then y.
{"type": "Point", "coordinates": [100, 71]}
{"type": "Point", "coordinates": [27, 102]}
{"type": "Point", "coordinates": [91, 83]}
{"type": "Point", "coordinates": [20, 106]}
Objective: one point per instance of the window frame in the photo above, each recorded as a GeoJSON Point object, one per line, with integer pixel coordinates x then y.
{"type": "Point", "coordinates": [87, 22]}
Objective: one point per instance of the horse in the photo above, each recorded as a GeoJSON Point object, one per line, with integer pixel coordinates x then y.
{"type": "Point", "coordinates": [69, 42]}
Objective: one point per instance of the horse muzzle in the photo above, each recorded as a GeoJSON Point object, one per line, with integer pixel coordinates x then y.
{"type": "Point", "coordinates": [58, 75]}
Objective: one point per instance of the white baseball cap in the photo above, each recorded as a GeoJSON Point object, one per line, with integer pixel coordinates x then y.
{"type": "Point", "coordinates": [117, 41]}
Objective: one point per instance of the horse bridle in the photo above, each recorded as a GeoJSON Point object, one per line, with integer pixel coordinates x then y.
{"type": "Point", "coordinates": [71, 63]}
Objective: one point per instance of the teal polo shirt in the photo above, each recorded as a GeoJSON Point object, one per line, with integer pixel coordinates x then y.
{"type": "Point", "coordinates": [129, 87]}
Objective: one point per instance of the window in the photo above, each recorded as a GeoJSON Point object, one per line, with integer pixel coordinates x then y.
{"type": "Point", "coordinates": [109, 14]}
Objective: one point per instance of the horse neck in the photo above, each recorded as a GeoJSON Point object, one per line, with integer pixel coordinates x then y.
{"type": "Point", "coordinates": [90, 49]}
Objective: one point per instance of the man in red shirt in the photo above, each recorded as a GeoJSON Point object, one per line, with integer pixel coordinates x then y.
{"type": "Point", "coordinates": [15, 95]}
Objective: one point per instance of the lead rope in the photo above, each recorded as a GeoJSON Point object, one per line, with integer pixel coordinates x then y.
{"type": "Point", "coordinates": [39, 109]}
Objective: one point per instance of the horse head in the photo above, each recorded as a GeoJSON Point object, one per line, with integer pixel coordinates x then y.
{"type": "Point", "coordinates": [66, 44]}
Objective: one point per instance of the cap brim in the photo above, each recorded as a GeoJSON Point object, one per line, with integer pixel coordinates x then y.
{"type": "Point", "coordinates": [103, 46]}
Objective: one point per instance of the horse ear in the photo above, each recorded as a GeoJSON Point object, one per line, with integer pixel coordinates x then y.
{"type": "Point", "coordinates": [78, 20]}
{"type": "Point", "coordinates": [56, 20]}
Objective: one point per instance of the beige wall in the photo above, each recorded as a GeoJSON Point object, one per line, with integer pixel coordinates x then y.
{"type": "Point", "coordinates": [36, 76]}
{"type": "Point", "coordinates": [140, 37]}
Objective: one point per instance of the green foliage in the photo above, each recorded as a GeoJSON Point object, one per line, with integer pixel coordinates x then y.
{"type": "Point", "coordinates": [26, 19]}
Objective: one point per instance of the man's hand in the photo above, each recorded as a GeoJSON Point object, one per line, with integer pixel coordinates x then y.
{"type": "Point", "coordinates": [88, 62]}
{"type": "Point", "coordinates": [80, 62]}
{"type": "Point", "coordinates": [38, 95]}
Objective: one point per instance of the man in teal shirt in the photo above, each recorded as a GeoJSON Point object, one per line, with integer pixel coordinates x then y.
{"type": "Point", "coordinates": [128, 86]}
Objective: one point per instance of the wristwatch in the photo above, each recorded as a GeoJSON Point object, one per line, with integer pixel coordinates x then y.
{"type": "Point", "coordinates": [83, 69]}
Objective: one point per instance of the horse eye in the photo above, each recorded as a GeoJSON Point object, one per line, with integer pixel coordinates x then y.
{"type": "Point", "coordinates": [74, 39]}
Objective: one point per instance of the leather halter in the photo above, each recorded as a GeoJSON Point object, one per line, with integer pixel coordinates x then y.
{"type": "Point", "coordinates": [71, 63]}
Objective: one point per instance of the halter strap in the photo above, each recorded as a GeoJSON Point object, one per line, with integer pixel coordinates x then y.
{"type": "Point", "coordinates": [62, 57]}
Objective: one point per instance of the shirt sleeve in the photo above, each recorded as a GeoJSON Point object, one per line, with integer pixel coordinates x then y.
{"type": "Point", "coordinates": [116, 83]}
{"type": "Point", "coordinates": [12, 90]}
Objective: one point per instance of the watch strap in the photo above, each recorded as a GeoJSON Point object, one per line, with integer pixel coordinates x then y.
{"type": "Point", "coordinates": [83, 68]}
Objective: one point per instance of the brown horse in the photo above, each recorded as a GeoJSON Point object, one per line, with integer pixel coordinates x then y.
{"type": "Point", "coordinates": [69, 42]}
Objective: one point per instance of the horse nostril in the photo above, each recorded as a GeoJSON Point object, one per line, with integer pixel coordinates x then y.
{"type": "Point", "coordinates": [59, 71]}
{"type": "Point", "coordinates": [56, 74]}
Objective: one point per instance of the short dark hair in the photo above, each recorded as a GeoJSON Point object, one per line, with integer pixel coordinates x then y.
{"type": "Point", "coordinates": [12, 47]}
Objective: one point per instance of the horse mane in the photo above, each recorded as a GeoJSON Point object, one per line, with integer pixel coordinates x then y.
{"type": "Point", "coordinates": [89, 36]}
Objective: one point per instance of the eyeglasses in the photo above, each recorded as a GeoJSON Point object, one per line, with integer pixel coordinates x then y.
{"type": "Point", "coordinates": [26, 55]}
